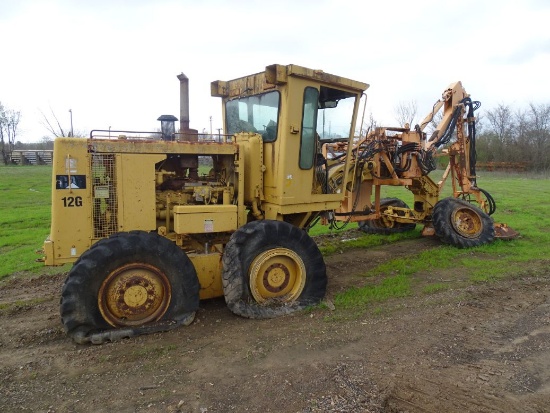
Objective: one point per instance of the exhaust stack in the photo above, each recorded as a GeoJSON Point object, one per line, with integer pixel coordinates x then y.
{"type": "Point", "coordinates": [184, 103]}
{"type": "Point", "coordinates": [189, 162]}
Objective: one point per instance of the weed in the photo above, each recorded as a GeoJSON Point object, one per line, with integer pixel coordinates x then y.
{"type": "Point", "coordinates": [395, 286]}
{"type": "Point", "coordinates": [434, 288]}
{"type": "Point", "coordinates": [153, 351]}
{"type": "Point", "coordinates": [378, 311]}
{"type": "Point", "coordinates": [22, 304]}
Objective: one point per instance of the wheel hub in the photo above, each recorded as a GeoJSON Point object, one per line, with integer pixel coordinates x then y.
{"type": "Point", "coordinates": [467, 222]}
{"type": "Point", "coordinates": [277, 273]}
{"type": "Point", "coordinates": [276, 278]}
{"type": "Point", "coordinates": [134, 294]}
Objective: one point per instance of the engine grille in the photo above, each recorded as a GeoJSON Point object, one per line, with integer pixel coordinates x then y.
{"type": "Point", "coordinates": [104, 193]}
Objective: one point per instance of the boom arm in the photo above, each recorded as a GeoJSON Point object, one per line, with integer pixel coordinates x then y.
{"type": "Point", "coordinates": [450, 99]}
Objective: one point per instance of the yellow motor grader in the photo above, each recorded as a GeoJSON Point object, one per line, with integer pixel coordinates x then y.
{"type": "Point", "coordinates": [155, 222]}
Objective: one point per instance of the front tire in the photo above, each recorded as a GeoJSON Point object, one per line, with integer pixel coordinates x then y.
{"type": "Point", "coordinates": [271, 268]}
{"type": "Point", "coordinates": [459, 223]}
{"type": "Point", "coordinates": [126, 283]}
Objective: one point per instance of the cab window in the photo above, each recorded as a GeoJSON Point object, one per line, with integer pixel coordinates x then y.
{"type": "Point", "coordinates": [257, 114]}
{"type": "Point", "coordinates": [309, 124]}
{"type": "Point", "coordinates": [335, 114]}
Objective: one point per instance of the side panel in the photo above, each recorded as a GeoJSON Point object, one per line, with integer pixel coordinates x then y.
{"type": "Point", "coordinates": [201, 219]}
{"type": "Point", "coordinates": [70, 232]}
{"type": "Point", "coordinates": [137, 194]}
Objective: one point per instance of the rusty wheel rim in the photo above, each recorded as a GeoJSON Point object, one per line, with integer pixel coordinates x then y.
{"type": "Point", "coordinates": [277, 273]}
{"type": "Point", "coordinates": [467, 222]}
{"type": "Point", "coordinates": [134, 294]}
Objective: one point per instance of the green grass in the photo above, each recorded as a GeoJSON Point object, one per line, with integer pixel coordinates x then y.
{"type": "Point", "coordinates": [365, 242]}
{"type": "Point", "coordinates": [434, 288]}
{"type": "Point", "coordinates": [522, 203]}
{"type": "Point", "coordinates": [392, 286]}
{"type": "Point", "coordinates": [25, 199]}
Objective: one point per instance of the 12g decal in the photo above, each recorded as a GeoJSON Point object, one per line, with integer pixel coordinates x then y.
{"type": "Point", "coordinates": [72, 201]}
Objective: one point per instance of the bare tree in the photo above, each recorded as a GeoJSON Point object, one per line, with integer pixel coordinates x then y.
{"type": "Point", "coordinates": [517, 136]}
{"type": "Point", "coordinates": [3, 148]}
{"type": "Point", "coordinates": [405, 113]}
{"type": "Point", "coordinates": [53, 125]}
{"type": "Point", "coordinates": [539, 133]}
{"type": "Point", "coordinates": [522, 125]}
{"type": "Point", "coordinates": [9, 122]}
{"type": "Point", "coordinates": [480, 123]}
{"type": "Point", "coordinates": [502, 123]}
{"type": "Point", "coordinates": [368, 125]}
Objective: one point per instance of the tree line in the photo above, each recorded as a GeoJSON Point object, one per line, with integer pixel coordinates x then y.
{"type": "Point", "coordinates": [9, 122]}
{"type": "Point", "coordinates": [505, 135]}
{"type": "Point", "coordinates": [516, 135]}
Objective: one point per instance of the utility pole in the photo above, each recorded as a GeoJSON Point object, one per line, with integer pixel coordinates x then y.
{"type": "Point", "coordinates": [210, 125]}
{"type": "Point", "coordinates": [71, 113]}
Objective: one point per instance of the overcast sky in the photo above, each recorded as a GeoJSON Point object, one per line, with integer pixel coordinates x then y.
{"type": "Point", "coordinates": [114, 62]}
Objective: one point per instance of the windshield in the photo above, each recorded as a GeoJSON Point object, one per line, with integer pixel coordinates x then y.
{"type": "Point", "coordinates": [258, 114]}
{"type": "Point", "coordinates": [335, 113]}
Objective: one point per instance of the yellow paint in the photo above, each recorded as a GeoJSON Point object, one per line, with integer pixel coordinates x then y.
{"type": "Point", "coordinates": [209, 270]}
{"type": "Point", "coordinates": [200, 219]}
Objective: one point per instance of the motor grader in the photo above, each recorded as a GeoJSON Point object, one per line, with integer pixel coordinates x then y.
{"type": "Point", "coordinates": [154, 223]}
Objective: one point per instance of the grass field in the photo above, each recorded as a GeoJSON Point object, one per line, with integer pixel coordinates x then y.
{"type": "Point", "coordinates": [25, 199]}
{"type": "Point", "coordinates": [522, 202]}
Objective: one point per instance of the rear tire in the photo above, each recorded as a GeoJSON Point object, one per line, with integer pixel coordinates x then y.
{"type": "Point", "coordinates": [459, 223]}
{"type": "Point", "coordinates": [272, 268]}
{"type": "Point", "coordinates": [127, 282]}
{"type": "Point", "coordinates": [383, 226]}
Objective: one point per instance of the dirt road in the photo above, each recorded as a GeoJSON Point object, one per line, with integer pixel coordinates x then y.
{"type": "Point", "coordinates": [481, 348]}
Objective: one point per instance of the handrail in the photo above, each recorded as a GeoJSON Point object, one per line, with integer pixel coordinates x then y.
{"type": "Point", "coordinates": [115, 134]}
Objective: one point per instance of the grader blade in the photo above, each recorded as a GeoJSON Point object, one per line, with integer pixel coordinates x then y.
{"type": "Point", "coordinates": [503, 231]}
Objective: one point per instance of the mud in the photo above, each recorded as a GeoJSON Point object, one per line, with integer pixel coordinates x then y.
{"type": "Point", "coordinates": [466, 348]}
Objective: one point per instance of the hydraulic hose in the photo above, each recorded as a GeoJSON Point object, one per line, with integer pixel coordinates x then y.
{"type": "Point", "coordinates": [490, 201]}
